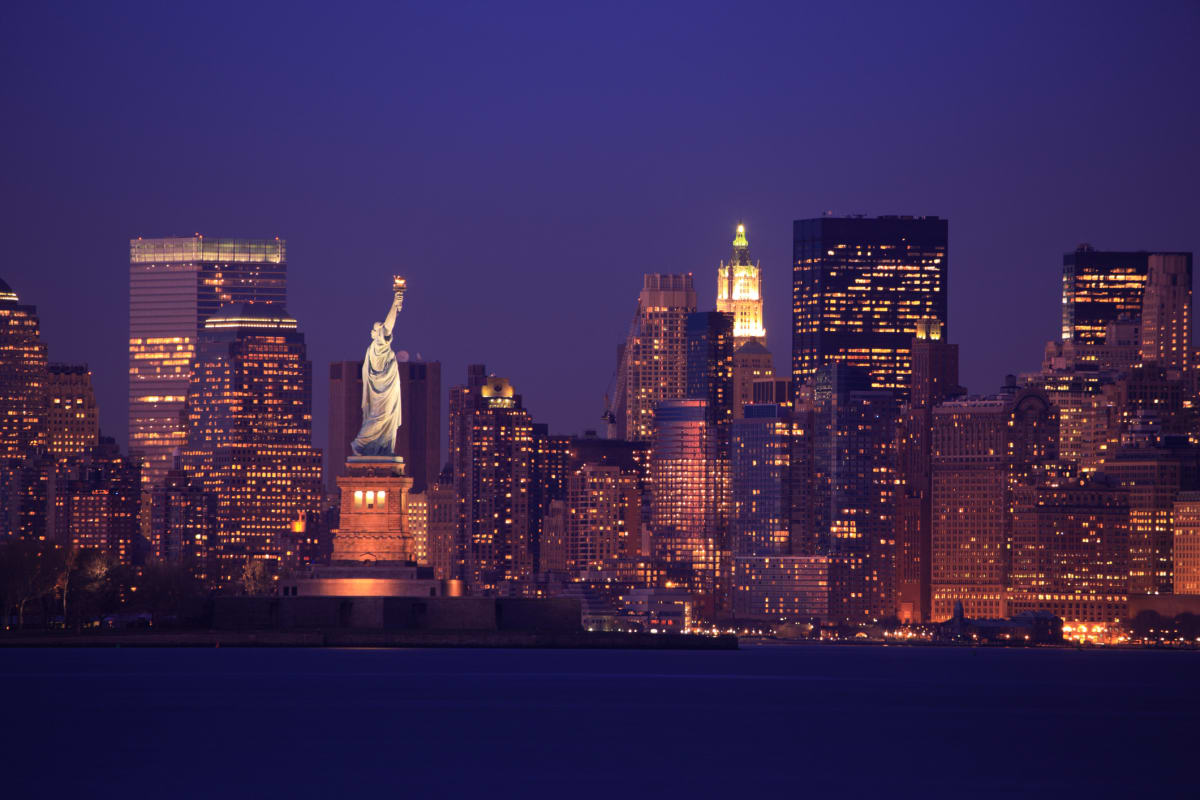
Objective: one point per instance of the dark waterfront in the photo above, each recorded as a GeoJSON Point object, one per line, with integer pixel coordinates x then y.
{"type": "Point", "coordinates": [807, 721]}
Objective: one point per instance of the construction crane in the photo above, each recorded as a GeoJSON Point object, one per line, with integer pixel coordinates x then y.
{"type": "Point", "coordinates": [616, 385]}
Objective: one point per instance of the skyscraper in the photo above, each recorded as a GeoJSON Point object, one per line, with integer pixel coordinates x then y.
{"type": "Point", "coordinates": [934, 380]}
{"type": "Point", "coordinates": [761, 470]}
{"type": "Point", "coordinates": [739, 292]}
{"type": "Point", "coordinates": [72, 417]}
{"type": "Point", "coordinates": [1167, 311]}
{"type": "Point", "coordinates": [853, 491]}
{"type": "Point", "coordinates": [175, 284]}
{"type": "Point", "coordinates": [345, 417]}
{"type": "Point", "coordinates": [685, 512]}
{"type": "Point", "coordinates": [22, 378]}
{"type": "Point", "coordinates": [859, 287]}
{"type": "Point", "coordinates": [982, 449]}
{"type": "Point", "coordinates": [751, 362]}
{"type": "Point", "coordinates": [249, 435]}
{"type": "Point", "coordinates": [419, 440]}
{"type": "Point", "coordinates": [653, 364]}
{"type": "Point", "coordinates": [492, 457]}
{"type": "Point", "coordinates": [1098, 288]}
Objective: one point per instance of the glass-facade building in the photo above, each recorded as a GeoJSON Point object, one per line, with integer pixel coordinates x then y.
{"type": "Point", "coordinates": [175, 284]}
{"type": "Point", "coordinates": [1098, 288]}
{"type": "Point", "coordinates": [860, 285]}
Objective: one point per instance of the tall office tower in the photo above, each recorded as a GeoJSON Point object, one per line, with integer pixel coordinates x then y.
{"type": "Point", "coordinates": [72, 417]}
{"type": "Point", "coordinates": [751, 363]}
{"type": "Point", "coordinates": [345, 418]}
{"type": "Point", "coordinates": [183, 519]}
{"type": "Point", "coordinates": [1070, 550]}
{"type": "Point", "coordinates": [739, 293]}
{"type": "Point", "coordinates": [981, 450]}
{"type": "Point", "coordinates": [99, 506]}
{"type": "Point", "coordinates": [547, 481]}
{"type": "Point", "coordinates": [175, 284]}
{"type": "Point", "coordinates": [1167, 311]}
{"type": "Point", "coordinates": [419, 440]}
{"type": "Point", "coordinates": [761, 469]}
{"type": "Point", "coordinates": [1186, 551]}
{"type": "Point", "coordinates": [603, 522]}
{"type": "Point", "coordinates": [22, 378]}
{"type": "Point", "coordinates": [654, 360]}
{"type": "Point", "coordinates": [685, 513]}
{"type": "Point", "coordinates": [249, 436]}
{"type": "Point", "coordinates": [492, 456]}
{"type": "Point", "coordinates": [859, 287]}
{"type": "Point", "coordinates": [709, 364]}
{"type": "Point", "coordinates": [1098, 288]}
{"type": "Point", "coordinates": [853, 487]}
{"type": "Point", "coordinates": [934, 380]}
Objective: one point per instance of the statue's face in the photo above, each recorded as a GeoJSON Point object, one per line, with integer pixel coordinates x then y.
{"type": "Point", "coordinates": [377, 331]}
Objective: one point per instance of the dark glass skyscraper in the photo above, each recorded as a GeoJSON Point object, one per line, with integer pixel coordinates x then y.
{"type": "Point", "coordinates": [175, 284]}
{"type": "Point", "coordinates": [859, 287]}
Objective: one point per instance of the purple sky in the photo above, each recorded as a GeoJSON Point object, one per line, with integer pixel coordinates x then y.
{"type": "Point", "coordinates": [524, 165]}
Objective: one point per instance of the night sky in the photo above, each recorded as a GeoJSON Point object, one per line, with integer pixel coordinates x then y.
{"type": "Point", "coordinates": [524, 165]}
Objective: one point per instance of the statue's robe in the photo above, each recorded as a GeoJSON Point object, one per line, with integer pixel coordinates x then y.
{"type": "Point", "coordinates": [380, 401]}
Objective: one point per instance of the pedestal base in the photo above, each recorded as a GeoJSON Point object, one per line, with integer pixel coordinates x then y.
{"type": "Point", "coordinates": [374, 512]}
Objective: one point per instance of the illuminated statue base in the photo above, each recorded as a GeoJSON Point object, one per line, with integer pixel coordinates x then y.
{"type": "Point", "coordinates": [374, 512]}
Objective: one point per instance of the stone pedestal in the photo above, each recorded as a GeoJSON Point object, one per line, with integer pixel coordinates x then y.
{"type": "Point", "coordinates": [374, 513]}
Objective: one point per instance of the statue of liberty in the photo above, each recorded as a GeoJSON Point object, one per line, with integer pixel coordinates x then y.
{"type": "Point", "coordinates": [381, 387]}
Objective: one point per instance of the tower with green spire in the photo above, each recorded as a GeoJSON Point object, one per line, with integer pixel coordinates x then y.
{"type": "Point", "coordinates": [739, 292]}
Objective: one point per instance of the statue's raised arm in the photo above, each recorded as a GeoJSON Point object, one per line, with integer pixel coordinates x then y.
{"type": "Point", "coordinates": [381, 387]}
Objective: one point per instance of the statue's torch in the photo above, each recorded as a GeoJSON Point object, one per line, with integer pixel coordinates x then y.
{"type": "Point", "coordinates": [399, 286]}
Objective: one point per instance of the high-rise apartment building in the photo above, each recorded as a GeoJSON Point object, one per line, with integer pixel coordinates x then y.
{"type": "Point", "coordinates": [934, 380]}
{"type": "Point", "coordinates": [182, 522]}
{"type": "Point", "coordinates": [22, 378]}
{"type": "Point", "coordinates": [72, 417]}
{"type": "Point", "coordinates": [859, 287]}
{"type": "Point", "coordinates": [653, 364]}
{"type": "Point", "coordinates": [97, 507]}
{"type": "Point", "coordinates": [982, 449]}
{"type": "Point", "coordinates": [249, 436]}
{"type": "Point", "coordinates": [492, 457]}
{"type": "Point", "coordinates": [175, 284]}
{"type": "Point", "coordinates": [761, 470]}
{"type": "Point", "coordinates": [739, 292]}
{"type": "Point", "coordinates": [1186, 551]}
{"type": "Point", "coordinates": [1167, 312]}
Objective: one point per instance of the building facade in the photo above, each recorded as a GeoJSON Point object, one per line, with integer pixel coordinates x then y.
{"type": "Point", "coordinates": [72, 416]}
{"type": "Point", "coordinates": [22, 378]}
{"type": "Point", "coordinates": [739, 292]}
{"type": "Point", "coordinates": [654, 359]}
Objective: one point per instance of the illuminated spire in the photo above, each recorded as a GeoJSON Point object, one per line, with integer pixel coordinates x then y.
{"type": "Point", "coordinates": [739, 241]}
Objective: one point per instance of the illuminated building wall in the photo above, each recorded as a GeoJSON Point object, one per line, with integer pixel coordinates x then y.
{"type": "Point", "coordinates": [547, 481]}
{"type": "Point", "coordinates": [739, 293]}
{"type": "Point", "coordinates": [1186, 551]}
{"type": "Point", "coordinates": [175, 284]}
{"type": "Point", "coordinates": [22, 378]}
{"type": "Point", "coordinates": [72, 417]}
{"type": "Point", "coordinates": [853, 491]}
{"type": "Point", "coordinates": [780, 588]}
{"type": "Point", "coordinates": [1120, 350]}
{"type": "Point", "coordinates": [981, 450]}
{"type": "Point", "coordinates": [684, 511]}
{"type": "Point", "coordinates": [492, 455]}
{"type": "Point", "coordinates": [1070, 550]}
{"type": "Point", "coordinates": [859, 287]}
{"type": "Point", "coordinates": [655, 355]}
{"type": "Point", "coordinates": [751, 363]}
{"type": "Point", "coordinates": [1086, 405]}
{"type": "Point", "coordinates": [1167, 311]}
{"type": "Point", "coordinates": [249, 436]}
{"type": "Point", "coordinates": [761, 469]}
{"type": "Point", "coordinates": [934, 380]}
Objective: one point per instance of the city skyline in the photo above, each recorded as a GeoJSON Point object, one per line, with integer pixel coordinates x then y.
{"type": "Point", "coordinates": [987, 144]}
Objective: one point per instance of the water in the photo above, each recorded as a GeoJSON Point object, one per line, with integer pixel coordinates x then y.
{"type": "Point", "coordinates": [797, 721]}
